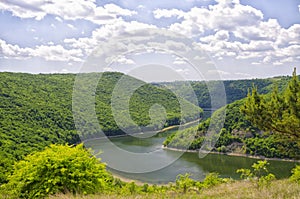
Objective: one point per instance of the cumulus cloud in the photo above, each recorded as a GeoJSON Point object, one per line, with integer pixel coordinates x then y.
{"type": "Point", "coordinates": [124, 60]}
{"type": "Point", "coordinates": [159, 13]}
{"type": "Point", "coordinates": [105, 32]}
{"type": "Point", "coordinates": [229, 29]}
{"type": "Point", "coordinates": [49, 53]}
{"type": "Point", "coordinates": [179, 61]}
{"type": "Point", "coordinates": [224, 15]}
{"type": "Point", "coordinates": [226, 29]}
{"type": "Point", "coordinates": [57, 53]}
{"type": "Point", "coordinates": [68, 10]}
{"type": "Point", "coordinates": [13, 51]}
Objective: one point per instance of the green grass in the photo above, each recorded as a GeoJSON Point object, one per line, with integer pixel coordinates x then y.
{"type": "Point", "coordinates": [278, 189]}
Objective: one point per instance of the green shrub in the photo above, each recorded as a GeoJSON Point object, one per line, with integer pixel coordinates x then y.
{"type": "Point", "coordinates": [184, 182]}
{"type": "Point", "coordinates": [259, 174]}
{"type": "Point", "coordinates": [58, 169]}
{"type": "Point", "coordinates": [296, 174]}
{"type": "Point", "coordinates": [212, 179]}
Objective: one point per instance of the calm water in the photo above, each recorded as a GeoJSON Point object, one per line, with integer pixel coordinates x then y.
{"type": "Point", "coordinates": [225, 165]}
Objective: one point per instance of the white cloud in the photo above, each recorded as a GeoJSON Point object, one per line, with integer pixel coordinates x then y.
{"type": "Point", "coordinates": [49, 53]}
{"type": "Point", "coordinates": [226, 15]}
{"type": "Point", "coordinates": [68, 10]}
{"type": "Point", "coordinates": [57, 53]}
{"type": "Point", "coordinates": [141, 7]}
{"type": "Point", "coordinates": [257, 46]}
{"type": "Point", "coordinates": [13, 51]}
{"type": "Point", "coordinates": [289, 36]}
{"type": "Point", "coordinates": [58, 19]}
{"type": "Point", "coordinates": [179, 61]}
{"type": "Point", "coordinates": [221, 35]}
{"type": "Point", "coordinates": [159, 13]}
{"type": "Point", "coordinates": [229, 29]}
{"type": "Point", "coordinates": [108, 31]}
{"type": "Point", "coordinates": [124, 60]}
{"type": "Point", "coordinates": [262, 30]}
{"type": "Point", "coordinates": [71, 26]}
{"type": "Point", "coordinates": [182, 70]}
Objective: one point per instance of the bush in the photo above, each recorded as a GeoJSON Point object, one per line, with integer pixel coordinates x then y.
{"type": "Point", "coordinates": [212, 179]}
{"type": "Point", "coordinates": [58, 169]}
{"type": "Point", "coordinates": [259, 173]}
{"type": "Point", "coordinates": [184, 182]}
{"type": "Point", "coordinates": [296, 174]}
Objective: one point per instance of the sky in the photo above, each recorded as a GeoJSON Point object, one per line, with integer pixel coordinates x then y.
{"type": "Point", "coordinates": [242, 38]}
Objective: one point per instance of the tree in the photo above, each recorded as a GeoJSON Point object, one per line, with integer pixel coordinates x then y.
{"type": "Point", "coordinates": [278, 113]}
{"type": "Point", "coordinates": [58, 169]}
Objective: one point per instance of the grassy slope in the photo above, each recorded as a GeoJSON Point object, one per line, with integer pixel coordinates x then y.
{"type": "Point", "coordinates": [279, 189]}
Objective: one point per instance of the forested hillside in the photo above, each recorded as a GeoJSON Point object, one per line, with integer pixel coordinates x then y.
{"type": "Point", "coordinates": [36, 110]}
{"type": "Point", "coordinates": [239, 135]}
{"type": "Point", "coordinates": [235, 89]}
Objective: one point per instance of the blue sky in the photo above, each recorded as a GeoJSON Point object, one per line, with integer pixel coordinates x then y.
{"type": "Point", "coordinates": [244, 38]}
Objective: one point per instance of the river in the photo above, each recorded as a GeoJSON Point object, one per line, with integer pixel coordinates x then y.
{"type": "Point", "coordinates": [225, 165]}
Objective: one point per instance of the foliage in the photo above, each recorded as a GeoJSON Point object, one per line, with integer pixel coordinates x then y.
{"type": "Point", "coordinates": [58, 169]}
{"type": "Point", "coordinates": [213, 179]}
{"type": "Point", "coordinates": [36, 111]}
{"type": "Point", "coordinates": [239, 134]}
{"type": "Point", "coordinates": [235, 89]}
{"type": "Point", "coordinates": [21, 180]}
{"type": "Point", "coordinates": [184, 182]}
{"type": "Point", "coordinates": [259, 173]}
{"type": "Point", "coordinates": [234, 190]}
{"type": "Point", "coordinates": [272, 146]}
{"type": "Point", "coordinates": [278, 113]}
{"type": "Point", "coordinates": [235, 129]}
{"type": "Point", "coordinates": [295, 177]}
{"type": "Point", "coordinates": [183, 140]}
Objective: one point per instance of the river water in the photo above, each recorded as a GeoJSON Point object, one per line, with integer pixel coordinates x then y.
{"type": "Point", "coordinates": [225, 165]}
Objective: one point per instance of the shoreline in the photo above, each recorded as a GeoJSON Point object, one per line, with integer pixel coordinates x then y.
{"type": "Point", "coordinates": [233, 154]}
{"type": "Point", "coordinates": [160, 131]}
{"type": "Point", "coordinates": [127, 180]}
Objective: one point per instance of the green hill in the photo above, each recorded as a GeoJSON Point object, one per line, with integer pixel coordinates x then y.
{"type": "Point", "coordinates": [238, 135]}
{"type": "Point", "coordinates": [36, 110]}
{"type": "Point", "coordinates": [235, 89]}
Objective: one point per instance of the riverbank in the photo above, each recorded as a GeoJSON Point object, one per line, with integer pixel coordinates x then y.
{"type": "Point", "coordinates": [232, 154]}
{"type": "Point", "coordinates": [177, 126]}
{"type": "Point", "coordinates": [128, 180]}
{"type": "Point", "coordinates": [160, 131]}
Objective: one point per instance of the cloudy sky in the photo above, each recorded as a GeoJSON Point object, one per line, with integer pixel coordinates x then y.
{"type": "Point", "coordinates": [243, 38]}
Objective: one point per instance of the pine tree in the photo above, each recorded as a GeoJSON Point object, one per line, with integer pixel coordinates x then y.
{"type": "Point", "coordinates": [277, 113]}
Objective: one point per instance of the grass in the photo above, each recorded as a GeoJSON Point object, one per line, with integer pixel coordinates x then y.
{"type": "Point", "coordinates": [278, 189]}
